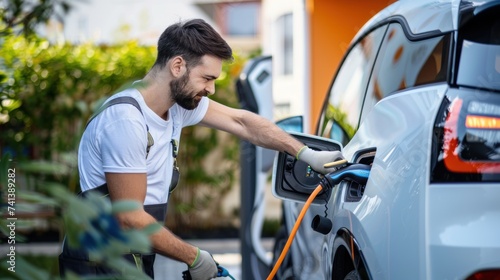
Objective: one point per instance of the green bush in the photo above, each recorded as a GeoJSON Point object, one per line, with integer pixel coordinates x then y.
{"type": "Point", "coordinates": [50, 90]}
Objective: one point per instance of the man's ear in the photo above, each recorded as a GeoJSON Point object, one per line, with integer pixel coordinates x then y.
{"type": "Point", "coordinates": [177, 66]}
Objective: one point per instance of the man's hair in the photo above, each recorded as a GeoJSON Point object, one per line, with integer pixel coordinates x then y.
{"type": "Point", "coordinates": [191, 40]}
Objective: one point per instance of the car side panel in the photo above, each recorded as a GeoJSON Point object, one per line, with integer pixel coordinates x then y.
{"type": "Point", "coordinates": [387, 222]}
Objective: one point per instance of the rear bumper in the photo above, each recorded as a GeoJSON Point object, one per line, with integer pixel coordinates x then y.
{"type": "Point", "coordinates": [463, 230]}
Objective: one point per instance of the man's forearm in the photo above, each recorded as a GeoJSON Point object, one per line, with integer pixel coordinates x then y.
{"type": "Point", "coordinates": [163, 242]}
{"type": "Point", "coordinates": [166, 243]}
{"type": "Point", "coordinates": [265, 133]}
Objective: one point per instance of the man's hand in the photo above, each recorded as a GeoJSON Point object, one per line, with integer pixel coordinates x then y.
{"type": "Point", "coordinates": [203, 267]}
{"type": "Point", "coordinates": [317, 159]}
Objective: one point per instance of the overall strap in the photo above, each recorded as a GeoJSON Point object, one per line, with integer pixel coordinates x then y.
{"type": "Point", "coordinates": [124, 100]}
{"type": "Point", "coordinates": [119, 100]}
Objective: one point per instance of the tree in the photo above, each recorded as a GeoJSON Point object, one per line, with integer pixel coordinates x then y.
{"type": "Point", "coordinates": [23, 16]}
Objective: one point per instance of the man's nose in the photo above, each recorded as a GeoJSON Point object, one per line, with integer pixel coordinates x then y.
{"type": "Point", "coordinates": [210, 88]}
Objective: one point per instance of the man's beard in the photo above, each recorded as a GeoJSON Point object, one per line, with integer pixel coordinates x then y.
{"type": "Point", "coordinates": [182, 96]}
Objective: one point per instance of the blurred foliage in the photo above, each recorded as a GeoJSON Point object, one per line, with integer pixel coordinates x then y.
{"type": "Point", "coordinates": [89, 223]}
{"type": "Point", "coordinates": [23, 17]}
{"type": "Point", "coordinates": [50, 90]}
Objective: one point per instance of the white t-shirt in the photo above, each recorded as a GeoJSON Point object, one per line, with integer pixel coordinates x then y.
{"type": "Point", "coordinates": [115, 141]}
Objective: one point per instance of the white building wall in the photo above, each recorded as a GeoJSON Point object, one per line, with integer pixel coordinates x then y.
{"type": "Point", "coordinates": [288, 89]}
{"type": "Point", "coordinates": [108, 21]}
{"type": "Point", "coordinates": [301, 62]}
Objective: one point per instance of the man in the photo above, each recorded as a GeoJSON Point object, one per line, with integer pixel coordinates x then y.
{"type": "Point", "coordinates": [172, 95]}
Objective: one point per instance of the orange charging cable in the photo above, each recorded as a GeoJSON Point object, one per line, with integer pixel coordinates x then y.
{"type": "Point", "coordinates": [313, 195]}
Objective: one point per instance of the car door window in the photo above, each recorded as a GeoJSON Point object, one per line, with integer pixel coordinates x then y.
{"type": "Point", "coordinates": [340, 116]}
{"type": "Point", "coordinates": [403, 63]}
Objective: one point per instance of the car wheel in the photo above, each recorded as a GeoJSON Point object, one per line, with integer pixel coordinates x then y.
{"type": "Point", "coordinates": [353, 275]}
{"type": "Point", "coordinates": [285, 272]}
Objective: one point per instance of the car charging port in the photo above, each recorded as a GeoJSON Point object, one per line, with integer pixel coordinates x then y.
{"type": "Point", "coordinates": [345, 171]}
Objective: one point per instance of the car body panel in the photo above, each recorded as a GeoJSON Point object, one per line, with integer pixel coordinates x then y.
{"type": "Point", "coordinates": [429, 17]}
{"type": "Point", "coordinates": [398, 180]}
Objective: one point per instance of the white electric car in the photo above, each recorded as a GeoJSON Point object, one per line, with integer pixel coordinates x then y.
{"type": "Point", "coordinates": [417, 100]}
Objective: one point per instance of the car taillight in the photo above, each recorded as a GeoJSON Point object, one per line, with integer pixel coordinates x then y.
{"type": "Point", "coordinates": [493, 274]}
{"type": "Point", "coordinates": [478, 150]}
{"type": "Point", "coordinates": [467, 139]}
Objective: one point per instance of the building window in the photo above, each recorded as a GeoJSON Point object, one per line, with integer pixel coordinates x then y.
{"type": "Point", "coordinates": [239, 19]}
{"type": "Point", "coordinates": [285, 31]}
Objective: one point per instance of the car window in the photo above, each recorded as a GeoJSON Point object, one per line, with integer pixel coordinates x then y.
{"type": "Point", "coordinates": [340, 116]}
{"type": "Point", "coordinates": [479, 61]}
{"type": "Point", "coordinates": [403, 63]}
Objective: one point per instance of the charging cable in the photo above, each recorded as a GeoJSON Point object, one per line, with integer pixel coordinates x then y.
{"type": "Point", "coordinates": [313, 195]}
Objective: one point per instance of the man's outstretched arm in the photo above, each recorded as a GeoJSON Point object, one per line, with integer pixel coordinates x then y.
{"type": "Point", "coordinates": [262, 132]}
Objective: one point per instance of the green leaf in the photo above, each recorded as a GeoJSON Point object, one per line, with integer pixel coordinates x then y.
{"type": "Point", "coordinates": [151, 228]}
{"type": "Point", "coordinates": [27, 271]}
{"type": "Point", "coordinates": [43, 167]}
{"type": "Point", "coordinates": [124, 206]}
{"type": "Point", "coordinates": [35, 197]}
{"type": "Point", "coordinates": [138, 241]}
